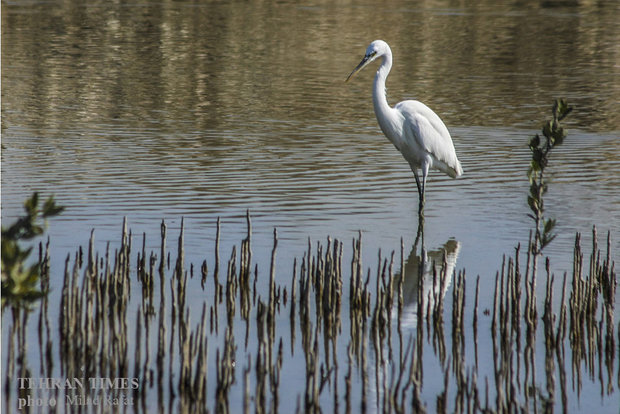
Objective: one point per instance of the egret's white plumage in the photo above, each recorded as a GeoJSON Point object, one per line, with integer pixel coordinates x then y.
{"type": "Point", "coordinates": [414, 129]}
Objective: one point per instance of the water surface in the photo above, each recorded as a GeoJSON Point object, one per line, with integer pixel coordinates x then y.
{"type": "Point", "coordinates": [165, 110]}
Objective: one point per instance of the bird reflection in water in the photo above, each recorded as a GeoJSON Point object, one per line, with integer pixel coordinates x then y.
{"type": "Point", "coordinates": [430, 271]}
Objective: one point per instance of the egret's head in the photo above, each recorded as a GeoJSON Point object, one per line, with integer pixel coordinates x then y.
{"type": "Point", "coordinates": [375, 49]}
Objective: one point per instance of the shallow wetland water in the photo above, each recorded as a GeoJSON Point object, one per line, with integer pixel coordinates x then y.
{"type": "Point", "coordinates": [197, 113]}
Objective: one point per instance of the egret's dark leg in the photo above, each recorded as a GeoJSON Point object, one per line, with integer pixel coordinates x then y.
{"type": "Point", "coordinates": [420, 191]}
{"type": "Point", "coordinates": [424, 175]}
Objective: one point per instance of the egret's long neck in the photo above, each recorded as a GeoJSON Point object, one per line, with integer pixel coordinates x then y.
{"type": "Point", "coordinates": [379, 97]}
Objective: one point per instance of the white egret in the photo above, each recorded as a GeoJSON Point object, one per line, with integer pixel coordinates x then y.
{"type": "Point", "coordinates": [414, 129]}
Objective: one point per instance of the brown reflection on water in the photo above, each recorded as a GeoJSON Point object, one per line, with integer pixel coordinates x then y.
{"type": "Point", "coordinates": [213, 65]}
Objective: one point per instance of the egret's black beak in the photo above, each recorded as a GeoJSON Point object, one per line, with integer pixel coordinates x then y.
{"type": "Point", "coordinates": [363, 63]}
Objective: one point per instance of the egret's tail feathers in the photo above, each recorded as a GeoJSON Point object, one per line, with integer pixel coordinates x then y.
{"type": "Point", "coordinates": [454, 170]}
{"type": "Point", "coordinates": [458, 170]}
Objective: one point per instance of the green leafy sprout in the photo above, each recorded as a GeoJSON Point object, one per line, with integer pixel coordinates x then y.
{"type": "Point", "coordinates": [553, 134]}
{"type": "Point", "coordinates": [19, 280]}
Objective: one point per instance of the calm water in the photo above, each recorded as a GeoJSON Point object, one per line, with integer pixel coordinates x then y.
{"type": "Point", "coordinates": [203, 110]}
